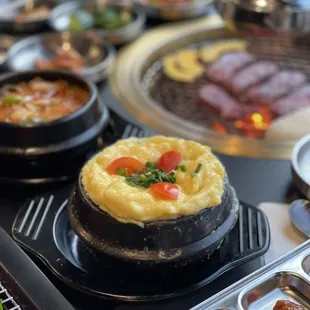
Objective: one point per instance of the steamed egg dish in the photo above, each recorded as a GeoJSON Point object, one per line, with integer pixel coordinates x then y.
{"type": "Point", "coordinates": [144, 180]}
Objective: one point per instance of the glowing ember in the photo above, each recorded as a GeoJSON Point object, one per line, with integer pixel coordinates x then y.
{"type": "Point", "coordinates": [255, 124]}
{"type": "Point", "coordinates": [219, 128]}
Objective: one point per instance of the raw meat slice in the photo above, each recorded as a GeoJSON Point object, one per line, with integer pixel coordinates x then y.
{"type": "Point", "coordinates": [277, 86]}
{"type": "Point", "coordinates": [222, 70]}
{"type": "Point", "coordinates": [298, 99]}
{"type": "Point", "coordinates": [216, 98]}
{"type": "Point", "coordinates": [252, 75]}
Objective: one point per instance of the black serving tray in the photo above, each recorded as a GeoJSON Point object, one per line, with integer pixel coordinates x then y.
{"type": "Point", "coordinates": [42, 227]}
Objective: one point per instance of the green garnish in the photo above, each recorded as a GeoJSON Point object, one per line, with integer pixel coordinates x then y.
{"type": "Point", "coordinates": [150, 176]}
{"type": "Point", "coordinates": [183, 168]}
{"type": "Point", "coordinates": [121, 172]}
{"type": "Point", "coordinates": [11, 99]}
{"type": "Point", "coordinates": [1, 307]}
{"type": "Point", "coordinates": [197, 170]}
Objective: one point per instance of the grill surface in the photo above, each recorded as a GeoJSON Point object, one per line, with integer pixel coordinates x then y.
{"type": "Point", "coordinates": [181, 99]}
{"type": "Point", "coordinates": [8, 301]}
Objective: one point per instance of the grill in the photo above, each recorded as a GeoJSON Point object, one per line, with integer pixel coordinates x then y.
{"type": "Point", "coordinates": [12, 294]}
{"type": "Point", "coordinates": [8, 301]}
{"type": "Point", "coordinates": [181, 99]}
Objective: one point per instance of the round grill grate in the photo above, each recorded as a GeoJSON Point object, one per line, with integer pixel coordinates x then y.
{"type": "Point", "coordinates": [181, 99]}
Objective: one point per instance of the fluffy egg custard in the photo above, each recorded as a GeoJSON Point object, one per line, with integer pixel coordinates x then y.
{"type": "Point", "coordinates": [197, 177]}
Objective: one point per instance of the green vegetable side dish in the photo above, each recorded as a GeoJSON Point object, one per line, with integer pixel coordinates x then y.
{"type": "Point", "coordinates": [109, 18]}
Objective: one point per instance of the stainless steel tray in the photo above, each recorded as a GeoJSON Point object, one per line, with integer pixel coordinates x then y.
{"type": "Point", "coordinates": [286, 278]}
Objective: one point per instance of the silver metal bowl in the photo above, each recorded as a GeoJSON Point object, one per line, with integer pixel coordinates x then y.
{"type": "Point", "coordinates": [275, 15]}
{"type": "Point", "coordinates": [301, 165]}
{"type": "Point", "coordinates": [174, 11]}
{"type": "Point", "coordinates": [5, 43]}
{"type": "Point", "coordinates": [60, 18]}
{"type": "Point", "coordinates": [293, 17]}
{"type": "Point", "coordinates": [9, 10]}
{"type": "Point", "coordinates": [97, 54]}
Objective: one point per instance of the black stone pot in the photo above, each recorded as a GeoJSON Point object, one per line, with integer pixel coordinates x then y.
{"type": "Point", "coordinates": [172, 243]}
{"type": "Point", "coordinates": [53, 149]}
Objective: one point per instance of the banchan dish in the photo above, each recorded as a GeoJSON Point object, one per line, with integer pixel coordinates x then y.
{"type": "Point", "coordinates": [61, 20]}
{"type": "Point", "coordinates": [25, 16]}
{"type": "Point", "coordinates": [174, 10]}
{"type": "Point", "coordinates": [170, 239]}
{"type": "Point", "coordinates": [50, 148]}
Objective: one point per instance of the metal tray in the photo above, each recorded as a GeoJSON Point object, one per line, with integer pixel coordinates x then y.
{"type": "Point", "coordinates": [287, 278]}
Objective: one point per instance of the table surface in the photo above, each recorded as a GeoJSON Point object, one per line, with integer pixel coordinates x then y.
{"type": "Point", "coordinates": [255, 180]}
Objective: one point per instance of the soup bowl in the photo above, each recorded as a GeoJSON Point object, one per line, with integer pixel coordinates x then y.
{"type": "Point", "coordinates": [39, 150]}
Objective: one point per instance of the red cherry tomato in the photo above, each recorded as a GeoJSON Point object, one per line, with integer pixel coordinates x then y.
{"type": "Point", "coordinates": [169, 160]}
{"type": "Point", "coordinates": [165, 190]}
{"type": "Point", "coordinates": [128, 164]}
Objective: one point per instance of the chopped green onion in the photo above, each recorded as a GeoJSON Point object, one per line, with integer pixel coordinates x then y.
{"type": "Point", "coordinates": [11, 99]}
{"type": "Point", "coordinates": [183, 168]}
{"type": "Point", "coordinates": [121, 172]}
{"type": "Point", "coordinates": [193, 174]}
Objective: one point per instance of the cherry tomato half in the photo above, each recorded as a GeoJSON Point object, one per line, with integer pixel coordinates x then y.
{"type": "Point", "coordinates": [128, 164]}
{"type": "Point", "coordinates": [165, 190]}
{"type": "Point", "coordinates": [169, 160]}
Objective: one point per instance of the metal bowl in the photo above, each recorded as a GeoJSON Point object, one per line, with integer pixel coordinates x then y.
{"type": "Point", "coordinates": [174, 11]}
{"type": "Point", "coordinates": [5, 43]}
{"type": "Point", "coordinates": [246, 15]}
{"type": "Point", "coordinates": [60, 17]}
{"type": "Point", "coordinates": [293, 17]}
{"type": "Point", "coordinates": [98, 55]}
{"type": "Point", "coordinates": [301, 165]}
{"type": "Point", "coordinates": [10, 9]}
{"type": "Point", "coordinates": [277, 16]}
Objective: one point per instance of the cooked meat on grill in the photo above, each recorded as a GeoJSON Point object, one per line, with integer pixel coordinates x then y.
{"type": "Point", "coordinates": [277, 86]}
{"type": "Point", "coordinates": [298, 99]}
{"type": "Point", "coordinates": [216, 98]}
{"type": "Point", "coordinates": [252, 75]}
{"type": "Point", "coordinates": [287, 305]}
{"type": "Point", "coordinates": [222, 70]}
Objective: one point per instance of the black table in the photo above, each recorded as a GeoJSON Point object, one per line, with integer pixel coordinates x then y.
{"type": "Point", "coordinates": [255, 180]}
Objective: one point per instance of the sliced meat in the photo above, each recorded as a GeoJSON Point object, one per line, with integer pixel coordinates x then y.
{"type": "Point", "coordinates": [277, 86]}
{"type": "Point", "coordinates": [298, 99]}
{"type": "Point", "coordinates": [222, 70]}
{"type": "Point", "coordinates": [252, 75]}
{"type": "Point", "coordinates": [216, 98]}
{"type": "Point", "coordinates": [287, 305]}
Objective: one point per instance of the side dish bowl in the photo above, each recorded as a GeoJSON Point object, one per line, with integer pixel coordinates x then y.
{"type": "Point", "coordinates": [33, 148]}
{"type": "Point", "coordinates": [176, 242]}
{"type": "Point", "coordinates": [60, 21]}
{"type": "Point", "coordinates": [174, 11]}
{"type": "Point", "coordinates": [97, 55]}
{"type": "Point", "coordinates": [17, 16]}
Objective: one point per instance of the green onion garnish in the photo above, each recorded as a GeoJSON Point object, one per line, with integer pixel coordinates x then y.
{"type": "Point", "coordinates": [183, 168]}
{"type": "Point", "coordinates": [121, 172]}
{"type": "Point", "coordinates": [197, 170]}
{"type": "Point", "coordinates": [11, 99]}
